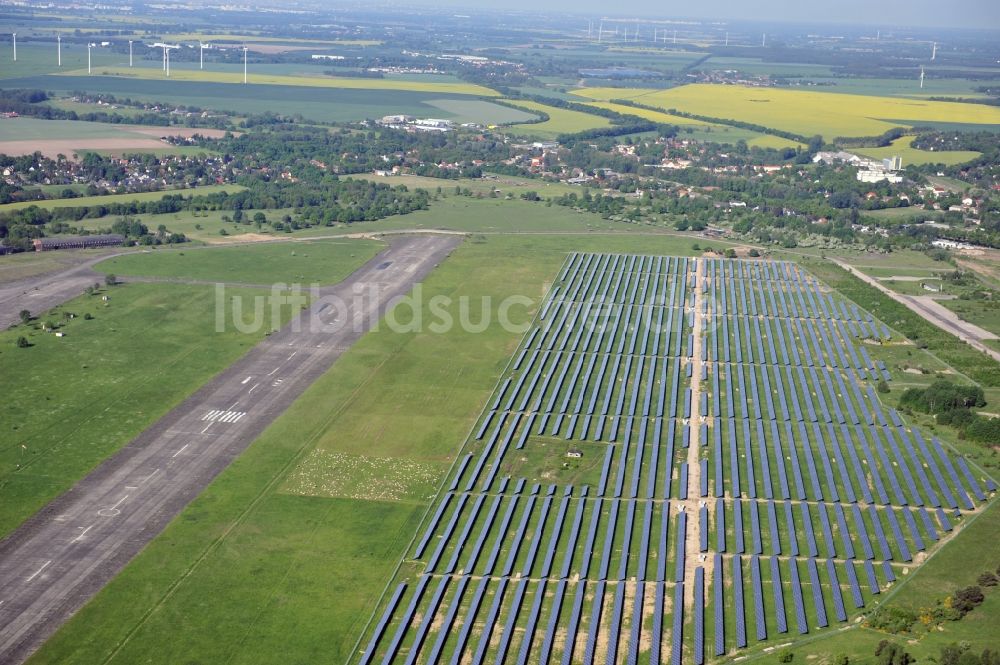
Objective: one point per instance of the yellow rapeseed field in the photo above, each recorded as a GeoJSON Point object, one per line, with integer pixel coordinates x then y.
{"type": "Point", "coordinates": [305, 81]}
{"type": "Point", "coordinates": [803, 112]}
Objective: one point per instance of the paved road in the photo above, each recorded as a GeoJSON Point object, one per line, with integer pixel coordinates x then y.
{"type": "Point", "coordinates": [937, 315]}
{"type": "Point", "coordinates": [61, 557]}
{"type": "Point", "coordinates": [43, 292]}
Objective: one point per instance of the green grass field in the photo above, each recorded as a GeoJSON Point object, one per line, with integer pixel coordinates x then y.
{"type": "Point", "coordinates": [561, 121]}
{"type": "Point", "coordinates": [305, 263]}
{"type": "Point", "coordinates": [83, 396]}
{"type": "Point", "coordinates": [902, 147]}
{"type": "Point", "coordinates": [86, 201]}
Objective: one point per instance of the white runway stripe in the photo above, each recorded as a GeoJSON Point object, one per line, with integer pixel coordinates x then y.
{"type": "Point", "coordinates": [218, 416]}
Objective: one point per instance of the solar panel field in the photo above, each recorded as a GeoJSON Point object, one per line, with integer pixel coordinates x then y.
{"type": "Point", "coordinates": [685, 457]}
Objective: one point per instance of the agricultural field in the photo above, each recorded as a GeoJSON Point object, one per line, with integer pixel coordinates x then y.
{"type": "Point", "coordinates": [703, 131]}
{"type": "Point", "coordinates": [902, 147]}
{"type": "Point", "coordinates": [25, 136]}
{"type": "Point", "coordinates": [108, 199]}
{"type": "Point", "coordinates": [83, 396]}
{"type": "Point", "coordinates": [561, 121]}
{"type": "Point", "coordinates": [804, 112]}
{"type": "Point", "coordinates": [318, 104]}
{"type": "Point", "coordinates": [777, 515]}
{"type": "Point", "coordinates": [304, 263]}
{"type": "Point", "coordinates": [345, 83]}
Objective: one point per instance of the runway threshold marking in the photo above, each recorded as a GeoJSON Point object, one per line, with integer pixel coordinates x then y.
{"type": "Point", "coordinates": [37, 572]}
{"type": "Point", "coordinates": [246, 381]}
{"type": "Point", "coordinates": [219, 416]}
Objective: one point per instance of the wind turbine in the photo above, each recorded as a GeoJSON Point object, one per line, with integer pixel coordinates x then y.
{"type": "Point", "coordinates": [921, 77]}
{"type": "Point", "coordinates": [15, 46]}
{"type": "Point", "coordinates": [727, 38]}
{"type": "Point", "coordinates": [933, 51]}
{"type": "Point", "coordinates": [763, 40]}
{"type": "Point", "coordinates": [675, 37]}
{"type": "Point", "coordinates": [600, 32]}
{"type": "Point", "coordinates": [244, 65]}
{"type": "Point", "coordinates": [201, 55]}
{"type": "Point", "coordinates": [130, 53]}
{"type": "Point", "coordinates": [89, 46]}
{"type": "Point", "coordinates": [59, 50]}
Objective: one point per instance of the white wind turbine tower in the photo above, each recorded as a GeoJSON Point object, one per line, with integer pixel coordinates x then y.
{"type": "Point", "coordinates": [15, 46]}
{"type": "Point", "coordinates": [201, 55]}
{"type": "Point", "coordinates": [933, 51]}
{"type": "Point", "coordinates": [921, 77]}
{"type": "Point", "coordinates": [59, 50]}
{"type": "Point", "coordinates": [244, 65]}
{"type": "Point", "coordinates": [763, 40]}
{"type": "Point", "coordinates": [600, 32]}
{"type": "Point", "coordinates": [130, 53]}
{"type": "Point", "coordinates": [89, 46]}
{"type": "Point", "coordinates": [727, 38]}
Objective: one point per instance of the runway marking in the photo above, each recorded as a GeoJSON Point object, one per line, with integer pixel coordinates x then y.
{"type": "Point", "coordinates": [82, 533]}
{"type": "Point", "coordinates": [35, 574]}
{"type": "Point", "coordinates": [277, 382]}
{"type": "Point", "coordinates": [181, 450]}
{"type": "Point", "coordinates": [246, 380]}
{"type": "Point", "coordinates": [274, 370]}
{"type": "Point", "coordinates": [255, 386]}
{"type": "Point", "coordinates": [146, 479]}
{"type": "Point", "coordinates": [218, 416]}
{"type": "Point", "coordinates": [234, 405]}
{"type": "Point", "coordinates": [113, 510]}
{"type": "Point", "coordinates": [206, 428]}
{"type": "Point", "coordinates": [293, 355]}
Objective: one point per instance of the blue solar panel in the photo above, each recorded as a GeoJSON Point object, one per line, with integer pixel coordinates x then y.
{"type": "Point", "coordinates": [817, 591]}
{"type": "Point", "coordinates": [609, 539]}
{"type": "Point", "coordinates": [796, 586]}
{"type": "Point", "coordinates": [679, 549]}
{"type": "Point", "coordinates": [469, 620]}
{"type": "Point", "coordinates": [741, 629]}
{"type": "Point", "coordinates": [369, 652]}
{"type": "Point", "coordinates": [678, 632]}
{"type": "Point", "coordinates": [779, 596]}
{"type": "Point", "coordinates": [614, 629]}
{"type": "Point", "coordinates": [428, 619]}
{"type": "Point", "coordinates": [574, 623]}
{"type": "Point", "coordinates": [595, 623]}
{"type": "Point", "coordinates": [758, 598]}
{"type": "Point", "coordinates": [838, 599]}
{"type": "Point", "coordinates": [397, 638]}
{"type": "Point", "coordinates": [699, 616]}
{"type": "Point", "coordinates": [852, 578]}
{"type": "Point", "coordinates": [738, 525]}
{"type": "Point", "coordinates": [632, 656]}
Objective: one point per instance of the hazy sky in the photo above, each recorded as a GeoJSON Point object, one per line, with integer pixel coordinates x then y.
{"type": "Point", "coordinates": [957, 13]}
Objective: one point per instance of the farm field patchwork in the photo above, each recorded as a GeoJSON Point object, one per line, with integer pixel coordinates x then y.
{"type": "Point", "coordinates": [723, 480]}
{"type": "Point", "coordinates": [803, 112]}
{"type": "Point", "coordinates": [320, 104]}
{"type": "Point", "coordinates": [25, 136]}
{"type": "Point", "coordinates": [149, 73]}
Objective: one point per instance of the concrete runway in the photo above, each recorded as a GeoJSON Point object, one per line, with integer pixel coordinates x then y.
{"type": "Point", "coordinates": [61, 557]}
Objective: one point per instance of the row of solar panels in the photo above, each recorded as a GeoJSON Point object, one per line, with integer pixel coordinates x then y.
{"type": "Point", "coordinates": [552, 536]}
{"type": "Point", "coordinates": [796, 536]}
{"type": "Point", "coordinates": [799, 342]}
{"type": "Point", "coordinates": [609, 328]}
{"type": "Point", "coordinates": [494, 626]}
{"type": "Point", "coordinates": [620, 278]}
{"type": "Point", "coordinates": [858, 464]}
